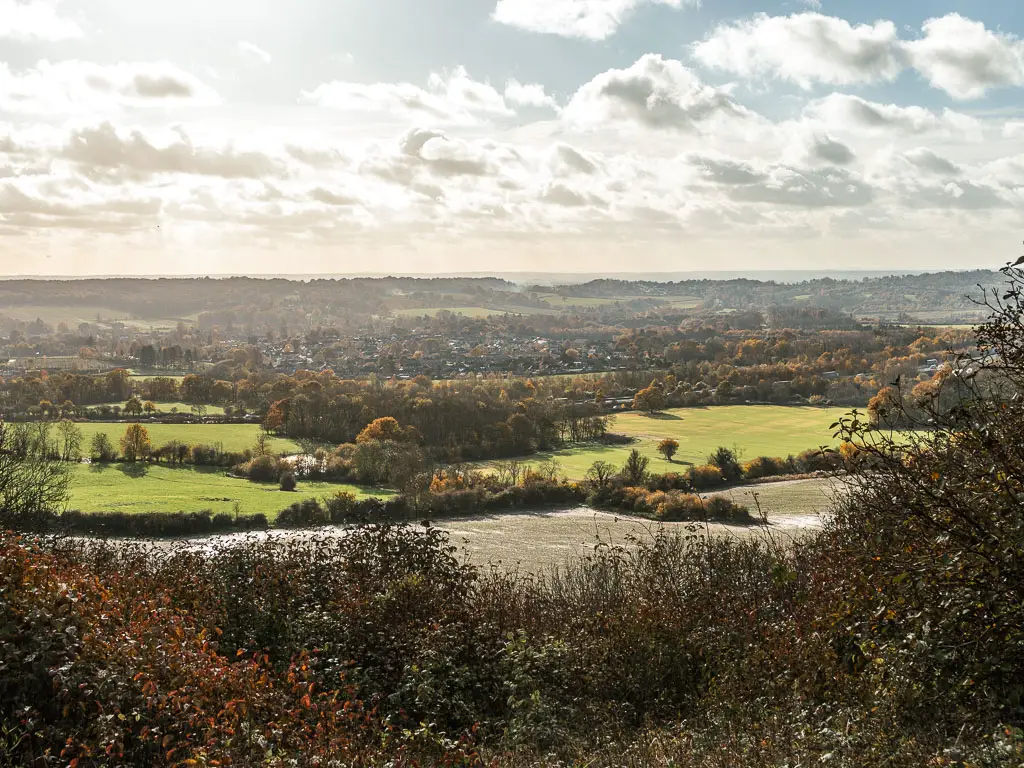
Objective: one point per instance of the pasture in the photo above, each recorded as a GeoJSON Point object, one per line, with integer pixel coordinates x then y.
{"type": "Point", "coordinates": [232, 437]}
{"type": "Point", "coordinates": [751, 430]}
{"type": "Point", "coordinates": [153, 488]}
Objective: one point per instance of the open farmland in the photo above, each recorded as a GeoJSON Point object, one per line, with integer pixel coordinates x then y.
{"type": "Point", "coordinates": [153, 488]}
{"type": "Point", "coordinates": [232, 437]}
{"type": "Point", "coordinates": [752, 430]}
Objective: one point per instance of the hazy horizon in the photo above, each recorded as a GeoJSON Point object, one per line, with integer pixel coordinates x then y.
{"type": "Point", "coordinates": [569, 136]}
{"type": "Point", "coordinates": [527, 278]}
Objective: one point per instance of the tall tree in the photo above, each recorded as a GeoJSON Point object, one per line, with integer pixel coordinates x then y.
{"type": "Point", "coordinates": [135, 443]}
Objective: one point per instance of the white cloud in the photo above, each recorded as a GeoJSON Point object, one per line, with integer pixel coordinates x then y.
{"type": "Point", "coordinates": [963, 58]}
{"type": "Point", "coordinates": [104, 153]}
{"type": "Point", "coordinates": [586, 19]}
{"type": "Point", "coordinates": [830, 188]}
{"type": "Point", "coordinates": [72, 87]}
{"type": "Point", "coordinates": [251, 50]}
{"type": "Point", "coordinates": [35, 20]}
{"type": "Point", "coordinates": [955, 54]}
{"type": "Point", "coordinates": [452, 98]}
{"type": "Point", "coordinates": [655, 93]}
{"type": "Point", "coordinates": [804, 48]}
{"type": "Point", "coordinates": [843, 111]}
{"type": "Point", "coordinates": [531, 95]}
{"type": "Point", "coordinates": [825, 149]}
{"type": "Point", "coordinates": [926, 160]}
{"type": "Point", "coordinates": [1013, 129]}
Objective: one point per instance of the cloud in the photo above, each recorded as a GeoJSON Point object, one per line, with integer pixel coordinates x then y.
{"type": "Point", "coordinates": [725, 171]}
{"type": "Point", "coordinates": [572, 160]}
{"type": "Point", "coordinates": [35, 20]}
{"type": "Point", "coordinates": [925, 159]}
{"type": "Point", "coordinates": [825, 149]}
{"type": "Point", "coordinates": [963, 58]}
{"type": "Point", "coordinates": [586, 19]}
{"type": "Point", "coordinates": [69, 87]}
{"type": "Point", "coordinates": [955, 195]}
{"type": "Point", "coordinates": [783, 185]}
{"type": "Point", "coordinates": [532, 95]}
{"type": "Point", "coordinates": [804, 48]}
{"type": "Point", "coordinates": [655, 93]}
{"type": "Point", "coordinates": [251, 50]}
{"type": "Point", "coordinates": [104, 153]}
{"type": "Point", "coordinates": [452, 98]}
{"type": "Point", "coordinates": [955, 54]}
{"type": "Point", "coordinates": [841, 110]}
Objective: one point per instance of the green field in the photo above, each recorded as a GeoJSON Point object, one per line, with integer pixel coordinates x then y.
{"type": "Point", "coordinates": [211, 410]}
{"type": "Point", "coordinates": [74, 315]}
{"type": "Point", "coordinates": [152, 488]}
{"type": "Point", "coordinates": [147, 376]}
{"type": "Point", "coordinates": [232, 437]}
{"type": "Point", "coordinates": [469, 311]}
{"type": "Point", "coordinates": [561, 302]}
{"type": "Point", "coordinates": [754, 430]}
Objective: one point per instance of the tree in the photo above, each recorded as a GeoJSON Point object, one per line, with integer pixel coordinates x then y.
{"type": "Point", "coordinates": [149, 406]}
{"type": "Point", "coordinates": [600, 473]}
{"type": "Point", "coordinates": [70, 441]}
{"type": "Point", "coordinates": [276, 415]}
{"type": "Point", "coordinates": [133, 407]}
{"type": "Point", "coordinates": [668, 448]}
{"type": "Point", "coordinates": [650, 400]}
{"type": "Point", "coordinates": [387, 428]}
{"type": "Point", "coordinates": [101, 449]}
{"type": "Point", "coordinates": [32, 482]}
{"type": "Point", "coordinates": [260, 448]}
{"type": "Point", "coordinates": [135, 444]}
{"type": "Point", "coordinates": [635, 470]}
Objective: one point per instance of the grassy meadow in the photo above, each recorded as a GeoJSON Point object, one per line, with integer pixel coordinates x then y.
{"type": "Point", "coordinates": [752, 430]}
{"type": "Point", "coordinates": [233, 437]}
{"type": "Point", "coordinates": [151, 488]}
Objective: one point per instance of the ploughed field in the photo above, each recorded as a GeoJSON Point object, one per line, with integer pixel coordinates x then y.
{"type": "Point", "coordinates": [541, 540]}
{"type": "Point", "coordinates": [752, 430]}
{"type": "Point", "coordinates": [153, 488]}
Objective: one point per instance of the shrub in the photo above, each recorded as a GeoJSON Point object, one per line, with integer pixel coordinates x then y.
{"type": "Point", "coordinates": [303, 514]}
{"type": "Point", "coordinates": [705, 477]}
{"type": "Point", "coordinates": [262, 469]}
{"type": "Point", "coordinates": [764, 466]}
{"type": "Point", "coordinates": [726, 461]}
{"type": "Point", "coordinates": [339, 506]}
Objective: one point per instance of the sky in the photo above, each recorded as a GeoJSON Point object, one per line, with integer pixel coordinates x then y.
{"type": "Point", "coordinates": [571, 136]}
